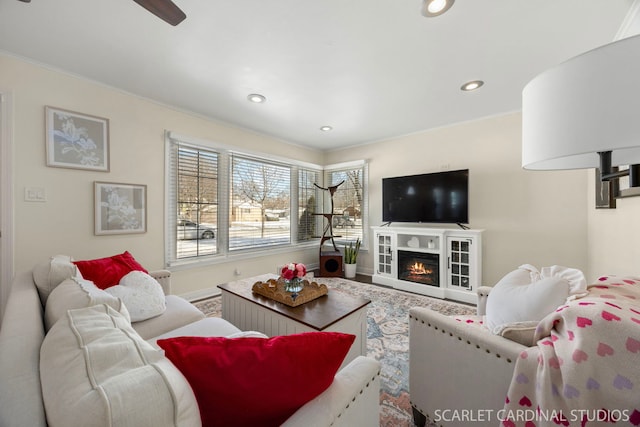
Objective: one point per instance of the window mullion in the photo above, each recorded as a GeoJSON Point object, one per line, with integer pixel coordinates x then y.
{"type": "Point", "coordinates": [294, 203]}
{"type": "Point", "coordinates": [224, 194]}
{"type": "Point", "coordinates": [206, 185]}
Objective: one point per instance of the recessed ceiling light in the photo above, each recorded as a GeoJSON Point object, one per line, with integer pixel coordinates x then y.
{"type": "Point", "coordinates": [431, 8]}
{"type": "Point", "coordinates": [472, 85]}
{"type": "Point", "coordinates": [257, 98]}
{"type": "Point", "coordinates": [326, 128]}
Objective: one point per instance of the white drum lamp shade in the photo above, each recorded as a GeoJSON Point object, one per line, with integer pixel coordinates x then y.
{"type": "Point", "coordinates": [585, 106]}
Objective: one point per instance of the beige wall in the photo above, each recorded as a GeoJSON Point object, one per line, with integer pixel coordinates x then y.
{"type": "Point", "coordinates": [613, 236]}
{"type": "Point", "coordinates": [528, 217]}
{"type": "Point", "coordinates": [541, 218]}
{"type": "Point", "coordinates": [64, 223]}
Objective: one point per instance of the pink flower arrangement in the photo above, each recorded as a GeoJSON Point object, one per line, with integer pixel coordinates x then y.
{"type": "Point", "coordinates": [293, 270]}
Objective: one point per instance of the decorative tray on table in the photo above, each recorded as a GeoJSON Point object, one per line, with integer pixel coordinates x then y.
{"type": "Point", "coordinates": [274, 289]}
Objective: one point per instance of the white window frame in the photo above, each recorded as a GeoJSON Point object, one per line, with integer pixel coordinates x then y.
{"type": "Point", "coordinates": [267, 162]}
{"type": "Point", "coordinates": [222, 236]}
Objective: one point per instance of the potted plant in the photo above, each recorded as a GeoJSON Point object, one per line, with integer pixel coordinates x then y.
{"type": "Point", "coordinates": [350, 259]}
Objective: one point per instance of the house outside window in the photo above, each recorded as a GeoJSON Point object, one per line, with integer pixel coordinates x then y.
{"type": "Point", "coordinates": [221, 202]}
{"type": "Point", "coordinates": [260, 203]}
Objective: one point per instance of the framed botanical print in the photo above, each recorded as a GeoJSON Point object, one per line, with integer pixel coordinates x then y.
{"type": "Point", "coordinates": [76, 140]}
{"type": "Point", "coordinates": [120, 208]}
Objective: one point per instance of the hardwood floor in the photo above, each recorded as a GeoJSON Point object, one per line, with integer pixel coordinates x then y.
{"type": "Point", "coordinates": [362, 278]}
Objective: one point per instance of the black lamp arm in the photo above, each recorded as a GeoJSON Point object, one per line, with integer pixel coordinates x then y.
{"type": "Point", "coordinates": [607, 173]}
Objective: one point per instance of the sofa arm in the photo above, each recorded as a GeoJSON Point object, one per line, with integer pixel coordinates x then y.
{"type": "Point", "coordinates": [21, 336]}
{"type": "Point", "coordinates": [454, 366]}
{"type": "Point", "coordinates": [483, 295]}
{"type": "Point", "coordinates": [164, 278]}
{"type": "Point", "coordinates": [353, 399]}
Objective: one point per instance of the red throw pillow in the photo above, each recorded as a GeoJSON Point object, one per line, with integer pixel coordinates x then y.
{"type": "Point", "coordinates": [107, 272]}
{"type": "Point", "coordinates": [257, 381]}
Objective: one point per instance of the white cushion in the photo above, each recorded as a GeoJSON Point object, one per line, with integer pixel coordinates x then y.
{"type": "Point", "coordinates": [78, 293]}
{"type": "Point", "coordinates": [207, 327]}
{"type": "Point", "coordinates": [96, 371]}
{"type": "Point", "coordinates": [520, 332]}
{"type": "Point", "coordinates": [49, 274]}
{"type": "Point", "coordinates": [142, 294]}
{"type": "Point", "coordinates": [528, 295]}
{"type": "Point", "coordinates": [179, 312]}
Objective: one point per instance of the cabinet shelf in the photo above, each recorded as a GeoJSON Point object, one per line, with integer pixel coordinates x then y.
{"type": "Point", "coordinates": [422, 250]}
{"type": "Point", "coordinates": [416, 241]}
{"type": "Point", "coordinates": [458, 257]}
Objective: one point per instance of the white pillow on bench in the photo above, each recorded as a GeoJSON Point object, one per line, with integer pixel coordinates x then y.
{"type": "Point", "coordinates": [525, 296]}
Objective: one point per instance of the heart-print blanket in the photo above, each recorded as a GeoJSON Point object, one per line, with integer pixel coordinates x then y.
{"type": "Point", "coordinates": [585, 369]}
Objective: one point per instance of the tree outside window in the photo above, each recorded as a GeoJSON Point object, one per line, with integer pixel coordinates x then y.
{"type": "Point", "coordinates": [197, 202]}
{"type": "Point", "coordinates": [349, 202]}
{"type": "Point", "coordinates": [260, 207]}
{"type": "Point", "coordinates": [308, 223]}
{"type": "Point", "coordinates": [221, 202]}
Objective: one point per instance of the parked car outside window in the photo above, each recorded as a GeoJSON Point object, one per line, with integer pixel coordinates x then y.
{"type": "Point", "coordinates": [191, 230]}
{"type": "Point", "coordinates": [343, 220]}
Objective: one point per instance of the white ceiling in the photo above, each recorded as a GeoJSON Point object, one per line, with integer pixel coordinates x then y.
{"type": "Point", "coordinates": [371, 69]}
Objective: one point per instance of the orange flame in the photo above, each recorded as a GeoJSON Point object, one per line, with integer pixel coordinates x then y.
{"type": "Point", "coordinates": [419, 268]}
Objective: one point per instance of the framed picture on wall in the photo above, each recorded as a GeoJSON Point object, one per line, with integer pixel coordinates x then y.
{"type": "Point", "coordinates": [76, 140]}
{"type": "Point", "coordinates": [120, 208]}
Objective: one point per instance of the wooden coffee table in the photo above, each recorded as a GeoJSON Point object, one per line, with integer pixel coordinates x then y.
{"type": "Point", "coordinates": [334, 312]}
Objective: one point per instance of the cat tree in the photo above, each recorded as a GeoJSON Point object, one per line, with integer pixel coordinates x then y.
{"type": "Point", "coordinates": [330, 260]}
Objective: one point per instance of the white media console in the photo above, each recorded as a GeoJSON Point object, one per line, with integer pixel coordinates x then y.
{"type": "Point", "coordinates": [438, 262]}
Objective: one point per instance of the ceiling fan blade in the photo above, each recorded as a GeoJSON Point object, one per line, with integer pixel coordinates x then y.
{"type": "Point", "coordinates": [163, 9]}
{"type": "Point", "coordinates": [26, 1]}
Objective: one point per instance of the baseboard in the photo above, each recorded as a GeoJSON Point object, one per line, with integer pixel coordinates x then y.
{"type": "Point", "coordinates": [201, 294]}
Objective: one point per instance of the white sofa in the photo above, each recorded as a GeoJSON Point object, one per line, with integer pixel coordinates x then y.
{"type": "Point", "coordinates": [39, 369]}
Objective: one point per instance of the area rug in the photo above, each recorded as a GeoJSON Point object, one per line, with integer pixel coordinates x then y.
{"type": "Point", "coordinates": [387, 338]}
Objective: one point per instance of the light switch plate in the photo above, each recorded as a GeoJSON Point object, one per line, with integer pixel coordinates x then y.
{"type": "Point", "coordinates": [35, 194]}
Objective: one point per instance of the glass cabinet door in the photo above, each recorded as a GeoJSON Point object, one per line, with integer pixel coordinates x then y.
{"type": "Point", "coordinates": [459, 263]}
{"type": "Point", "coordinates": [384, 254]}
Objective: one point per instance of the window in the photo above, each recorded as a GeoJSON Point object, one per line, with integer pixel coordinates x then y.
{"type": "Point", "coordinates": [196, 208]}
{"type": "Point", "coordinates": [222, 202]}
{"type": "Point", "coordinates": [260, 203]}
{"type": "Point", "coordinates": [349, 201]}
{"type": "Point", "coordinates": [309, 225]}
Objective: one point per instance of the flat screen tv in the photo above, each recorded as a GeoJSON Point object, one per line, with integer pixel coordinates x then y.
{"type": "Point", "coordinates": [441, 197]}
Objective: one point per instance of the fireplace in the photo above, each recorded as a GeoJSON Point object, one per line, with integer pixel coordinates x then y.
{"type": "Point", "coordinates": [419, 267]}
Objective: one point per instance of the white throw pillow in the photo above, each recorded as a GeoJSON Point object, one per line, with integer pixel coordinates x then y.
{"type": "Point", "coordinates": [77, 293]}
{"type": "Point", "coordinates": [575, 277]}
{"type": "Point", "coordinates": [142, 295]}
{"type": "Point", "coordinates": [49, 274]}
{"type": "Point", "coordinates": [528, 295]}
{"type": "Point", "coordinates": [95, 370]}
